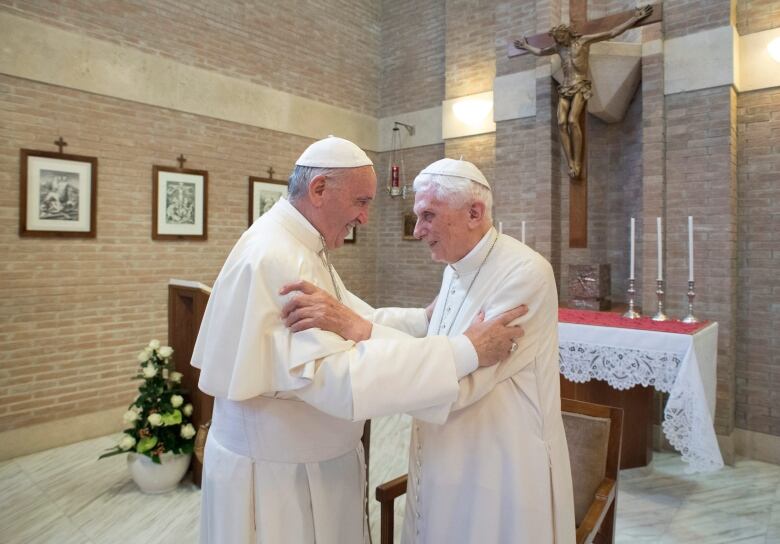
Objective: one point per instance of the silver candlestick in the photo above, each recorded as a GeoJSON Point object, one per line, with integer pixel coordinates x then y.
{"type": "Point", "coordinates": [690, 318]}
{"type": "Point", "coordinates": [631, 313]}
{"type": "Point", "coordinates": [659, 291]}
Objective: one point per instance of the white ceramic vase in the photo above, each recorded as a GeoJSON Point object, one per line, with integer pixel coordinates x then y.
{"type": "Point", "coordinates": [153, 478]}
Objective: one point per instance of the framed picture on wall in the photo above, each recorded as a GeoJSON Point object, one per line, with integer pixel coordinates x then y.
{"type": "Point", "coordinates": [410, 220]}
{"type": "Point", "coordinates": [179, 203]}
{"type": "Point", "coordinates": [263, 194]}
{"type": "Point", "coordinates": [351, 236]}
{"type": "Point", "coordinates": [58, 195]}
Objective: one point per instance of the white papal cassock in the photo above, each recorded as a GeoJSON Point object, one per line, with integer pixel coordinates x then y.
{"type": "Point", "coordinates": [498, 470]}
{"type": "Point", "coordinates": [283, 460]}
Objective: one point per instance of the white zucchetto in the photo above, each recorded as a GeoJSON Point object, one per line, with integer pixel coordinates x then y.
{"type": "Point", "coordinates": [333, 152]}
{"type": "Point", "coordinates": [458, 169]}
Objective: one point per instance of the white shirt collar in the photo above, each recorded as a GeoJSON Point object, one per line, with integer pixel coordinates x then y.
{"type": "Point", "coordinates": [474, 258]}
{"type": "Point", "coordinates": [289, 216]}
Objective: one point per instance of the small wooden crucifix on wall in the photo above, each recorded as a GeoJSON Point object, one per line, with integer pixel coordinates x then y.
{"type": "Point", "coordinates": [572, 43]}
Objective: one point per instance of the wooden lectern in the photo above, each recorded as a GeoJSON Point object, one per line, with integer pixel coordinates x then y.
{"type": "Point", "coordinates": [186, 305]}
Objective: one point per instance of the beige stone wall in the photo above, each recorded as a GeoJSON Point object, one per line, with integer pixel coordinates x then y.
{"type": "Point", "coordinates": [75, 312]}
{"type": "Point", "coordinates": [325, 50]}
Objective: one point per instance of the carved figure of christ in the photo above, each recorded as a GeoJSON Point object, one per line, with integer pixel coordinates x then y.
{"type": "Point", "coordinates": [573, 47]}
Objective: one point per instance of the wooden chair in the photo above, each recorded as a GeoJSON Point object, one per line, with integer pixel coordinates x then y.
{"type": "Point", "coordinates": [593, 433]}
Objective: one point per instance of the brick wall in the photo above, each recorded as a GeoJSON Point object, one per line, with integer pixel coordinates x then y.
{"type": "Point", "coordinates": [758, 252]}
{"type": "Point", "coordinates": [683, 17]}
{"type": "Point", "coordinates": [470, 47]}
{"type": "Point", "coordinates": [405, 274]}
{"type": "Point", "coordinates": [757, 15]}
{"type": "Point", "coordinates": [412, 56]}
{"type": "Point", "coordinates": [75, 312]}
{"type": "Point", "coordinates": [701, 181]}
{"type": "Point", "coordinates": [326, 50]}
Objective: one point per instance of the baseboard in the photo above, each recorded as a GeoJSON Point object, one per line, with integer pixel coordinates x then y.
{"type": "Point", "coordinates": [758, 446]}
{"type": "Point", "coordinates": [61, 432]}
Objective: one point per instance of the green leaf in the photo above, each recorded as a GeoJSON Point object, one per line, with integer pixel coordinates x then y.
{"type": "Point", "coordinates": [171, 418]}
{"type": "Point", "coordinates": [145, 444]}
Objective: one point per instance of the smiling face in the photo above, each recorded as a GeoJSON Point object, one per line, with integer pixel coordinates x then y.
{"type": "Point", "coordinates": [345, 203]}
{"type": "Point", "coordinates": [450, 229]}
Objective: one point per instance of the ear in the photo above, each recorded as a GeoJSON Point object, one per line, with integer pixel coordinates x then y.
{"type": "Point", "coordinates": [316, 190]}
{"type": "Point", "coordinates": [476, 213]}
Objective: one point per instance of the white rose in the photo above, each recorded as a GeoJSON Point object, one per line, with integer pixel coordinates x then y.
{"type": "Point", "coordinates": [130, 416]}
{"type": "Point", "coordinates": [149, 371]}
{"type": "Point", "coordinates": [187, 431]}
{"type": "Point", "coordinates": [126, 442]}
{"type": "Point", "coordinates": [143, 356]}
{"type": "Point", "coordinates": [177, 400]}
{"type": "Point", "coordinates": [154, 344]}
{"type": "Point", "coordinates": [176, 376]}
{"type": "Point", "coordinates": [137, 409]}
{"type": "Point", "coordinates": [187, 410]}
{"type": "Point", "coordinates": [165, 373]}
{"type": "Point", "coordinates": [155, 420]}
{"type": "Point", "coordinates": [165, 351]}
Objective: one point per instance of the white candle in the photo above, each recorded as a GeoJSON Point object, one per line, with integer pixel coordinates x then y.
{"type": "Point", "coordinates": [660, 248]}
{"type": "Point", "coordinates": [500, 227]}
{"type": "Point", "coordinates": [633, 222]}
{"type": "Point", "coordinates": [690, 248]}
{"type": "Point", "coordinates": [522, 232]}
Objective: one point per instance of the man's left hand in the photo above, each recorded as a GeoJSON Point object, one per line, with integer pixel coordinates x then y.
{"type": "Point", "coordinates": [315, 308]}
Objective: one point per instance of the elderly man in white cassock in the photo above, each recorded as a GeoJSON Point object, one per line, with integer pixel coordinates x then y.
{"type": "Point", "coordinates": [283, 459]}
{"type": "Point", "coordinates": [498, 470]}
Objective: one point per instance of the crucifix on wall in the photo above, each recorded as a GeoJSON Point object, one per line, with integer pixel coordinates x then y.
{"type": "Point", "coordinates": [572, 44]}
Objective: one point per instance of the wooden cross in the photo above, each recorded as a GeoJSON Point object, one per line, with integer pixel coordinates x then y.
{"type": "Point", "coordinates": [270, 172]}
{"type": "Point", "coordinates": [181, 160]}
{"type": "Point", "coordinates": [60, 143]}
{"type": "Point", "coordinates": [578, 189]}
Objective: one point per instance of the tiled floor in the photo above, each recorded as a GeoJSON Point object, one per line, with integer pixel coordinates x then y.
{"type": "Point", "coordinates": [66, 495]}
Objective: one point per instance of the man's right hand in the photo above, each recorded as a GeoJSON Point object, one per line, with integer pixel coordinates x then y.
{"type": "Point", "coordinates": [493, 340]}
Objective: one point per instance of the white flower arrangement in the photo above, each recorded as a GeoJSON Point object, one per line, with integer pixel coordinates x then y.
{"type": "Point", "coordinates": [158, 415]}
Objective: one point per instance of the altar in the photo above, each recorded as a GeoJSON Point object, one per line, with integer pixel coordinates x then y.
{"type": "Point", "coordinates": [641, 355]}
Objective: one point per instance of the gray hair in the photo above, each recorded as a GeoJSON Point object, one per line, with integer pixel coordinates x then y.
{"type": "Point", "coordinates": [456, 190]}
{"type": "Point", "coordinates": [298, 182]}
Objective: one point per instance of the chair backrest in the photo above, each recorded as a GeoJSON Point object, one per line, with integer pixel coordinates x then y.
{"type": "Point", "coordinates": [593, 434]}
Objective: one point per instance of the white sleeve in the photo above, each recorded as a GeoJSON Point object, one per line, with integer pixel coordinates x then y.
{"type": "Point", "coordinates": [390, 373]}
{"type": "Point", "coordinates": [412, 321]}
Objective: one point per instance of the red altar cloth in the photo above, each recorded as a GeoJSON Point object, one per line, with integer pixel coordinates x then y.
{"type": "Point", "coordinates": [612, 319]}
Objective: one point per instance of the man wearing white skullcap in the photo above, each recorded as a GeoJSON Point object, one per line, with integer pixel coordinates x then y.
{"type": "Point", "coordinates": [498, 469]}
{"type": "Point", "coordinates": [283, 459]}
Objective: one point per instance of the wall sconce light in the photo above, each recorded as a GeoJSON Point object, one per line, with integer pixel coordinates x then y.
{"type": "Point", "coordinates": [472, 111]}
{"type": "Point", "coordinates": [467, 116]}
{"type": "Point", "coordinates": [774, 49]}
{"type": "Point", "coordinates": [396, 185]}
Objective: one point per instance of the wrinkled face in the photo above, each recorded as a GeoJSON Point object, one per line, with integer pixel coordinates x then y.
{"type": "Point", "coordinates": [346, 201]}
{"type": "Point", "coordinates": [445, 228]}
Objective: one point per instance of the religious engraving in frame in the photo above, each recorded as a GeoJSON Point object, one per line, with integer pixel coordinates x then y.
{"type": "Point", "coordinates": [410, 220]}
{"type": "Point", "coordinates": [179, 203]}
{"type": "Point", "coordinates": [58, 195]}
{"type": "Point", "coordinates": [351, 236]}
{"type": "Point", "coordinates": [263, 194]}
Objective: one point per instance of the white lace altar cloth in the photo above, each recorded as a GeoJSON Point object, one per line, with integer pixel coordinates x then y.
{"type": "Point", "coordinates": [682, 365]}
